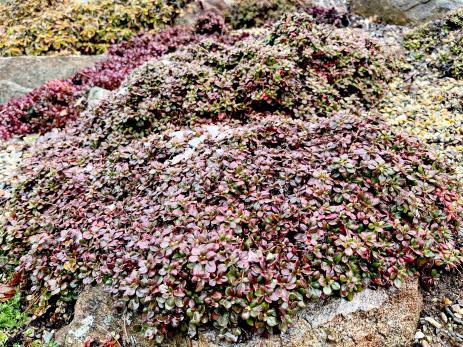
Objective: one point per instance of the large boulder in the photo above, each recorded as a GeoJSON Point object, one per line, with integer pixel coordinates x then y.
{"type": "Point", "coordinates": [20, 74]}
{"type": "Point", "coordinates": [403, 12]}
{"type": "Point", "coordinates": [383, 317]}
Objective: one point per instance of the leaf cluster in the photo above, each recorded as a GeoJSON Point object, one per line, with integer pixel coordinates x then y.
{"type": "Point", "coordinates": [55, 103]}
{"type": "Point", "coordinates": [76, 27]}
{"type": "Point", "coordinates": [440, 42]}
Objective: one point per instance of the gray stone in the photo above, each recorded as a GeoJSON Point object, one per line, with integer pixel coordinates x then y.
{"type": "Point", "coordinates": [403, 12]}
{"type": "Point", "coordinates": [9, 90]}
{"type": "Point", "coordinates": [95, 95]}
{"type": "Point", "coordinates": [383, 317]}
{"type": "Point", "coordinates": [31, 71]}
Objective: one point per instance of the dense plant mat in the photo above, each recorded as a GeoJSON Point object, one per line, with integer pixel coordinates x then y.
{"type": "Point", "coordinates": [14, 12]}
{"type": "Point", "coordinates": [252, 13]}
{"type": "Point", "coordinates": [75, 27]}
{"type": "Point", "coordinates": [440, 43]}
{"type": "Point", "coordinates": [258, 182]}
{"type": "Point", "coordinates": [55, 103]}
{"type": "Point", "coordinates": [431, 109]}
{"type": "Point", "coordinates": [296, 68]}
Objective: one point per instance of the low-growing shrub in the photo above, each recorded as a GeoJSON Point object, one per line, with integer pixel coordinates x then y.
{"type": "Point", "coordinates": [49, 106]}
{"type": "Point", "coordinates": [296, 68]}
{"type": "Point", "coordinates": [78, 27]}
{"type": "Point", "coordinates": [55, 103]}
{"type": "Point", "coordinates": [252, 13]}
{"type": "Point", "coordinates": [242, 231]}
{"type": "Point", "coordinates": [441, 42]}
{"type": "Point", "coordinates": [22, 115]}
{"type": "Point", "coordinates": [14, 12]}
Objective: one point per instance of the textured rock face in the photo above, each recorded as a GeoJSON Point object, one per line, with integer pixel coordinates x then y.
{"type": "Point", "coordinates": [95, 95]}
{"type": "Point", "coordinates": [374, 318]}
{"type": "Point", "coordinates": [403, 11]}
{"type": "Point", "coordinates": [19, 74]}
{"type": "Point", "coordinates": [9, 90]}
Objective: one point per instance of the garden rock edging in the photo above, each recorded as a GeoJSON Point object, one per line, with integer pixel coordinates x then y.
{"type": "Point", "coordinates": [383, 317]}
{"type": "Point", "coordinates": [18, 75]}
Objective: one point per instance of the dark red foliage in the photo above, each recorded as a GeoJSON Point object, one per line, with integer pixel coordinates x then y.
{"type": "Point", "coordinates": [332, 16]}
{"type": "Point", "coordinates": [49, 106]}
{"type": "Point", "coordinates": [210, 23]}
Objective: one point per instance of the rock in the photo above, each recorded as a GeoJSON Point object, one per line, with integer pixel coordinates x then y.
{"type": "Point", "coordinates": [419, 335]}
{"type": "Point", "coordinates": [9, 90]}
{"type": "Point", "coordinates": [93, 319]}
{"type": "Point", "coordinates": [95, 95]}
{"type": "Point", "coordinates": [433, 322]}
{"type": "Point", "coordinates": [403, 12]}
{"type": "Point", "coordinates": [373, 318]}
{"type": "Point", "coordinates": [29, 72]}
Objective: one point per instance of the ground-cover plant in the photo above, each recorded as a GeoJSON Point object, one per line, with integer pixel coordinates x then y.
{"type": "Point", "coordinates": [55, 103]}
{"type": "Point", "coordinates": [14, 12]}
{"type": "Point", "coordinates": [11, 318]}
{"type": "Point", "coordinates": [431, 110]}
{"type": "Point", "coordinates": [440, 42]}
{"type": "Point", "coordinates": [251, 13]}
{"type": "Point", "coordinates": [234, 216]}
{"type": "Point", "coordinates": [296, 68]}
{"type": "Point", "coordinates": [84, 27]}
{"type": "Point", "coordinates": [243, 230]}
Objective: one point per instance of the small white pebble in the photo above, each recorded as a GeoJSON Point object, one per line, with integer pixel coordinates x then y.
{"type": "Point", "coordinates": [457, 309]}
{"type": "Point", "coordinates": [419, 335]}
{"type": "Point", "coordinates": [444, 317]}
{"type": "Point", "coordinates": [424, 343]}
{"type": "Point", "coordinates": [433, 322]}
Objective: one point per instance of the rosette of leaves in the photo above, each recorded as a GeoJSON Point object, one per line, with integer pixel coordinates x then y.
{"type": "Point", "coordinates": [239, 232]}
{"type": "Point", "coordinates": [85, 28]}
{"type": "Point", "coordinates": [297, 68]}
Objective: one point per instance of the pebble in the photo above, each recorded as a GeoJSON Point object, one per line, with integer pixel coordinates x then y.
{"type": "Point", "coordinates": [424, 343]}
{"type": "Point", "coordinates": [419, 335]}
{"type": "Point", "coordinates": [444, 317]}
{"type": "Point", "coordinates": [433, 322]}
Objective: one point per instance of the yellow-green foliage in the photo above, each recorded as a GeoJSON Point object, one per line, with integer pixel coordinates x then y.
{"type": "Point", "coordinates": [12, 12]}
{"type": "Point", "coordinates": [70, 26]}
